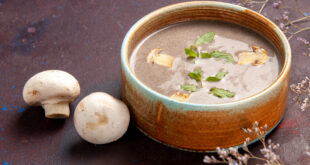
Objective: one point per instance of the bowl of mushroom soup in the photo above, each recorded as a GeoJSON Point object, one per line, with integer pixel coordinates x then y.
{"type": "Point", "coordinates": [195, 74]}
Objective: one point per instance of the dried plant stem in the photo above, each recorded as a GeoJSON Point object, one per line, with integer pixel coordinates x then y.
{"type": "Point", "coordinates": [263, 141]}
{"type": "Point", "coordinates": [263, 6]}
{"type": "Point", "coordinates": [299, 8]}
{"type": "Point", "coordinates": [297, 20]}
{"type": "Point", "coordinates": [297, 27]}
{"type": "Point", "coordinates": [233, 156]}
{"type": "Point", "coordinates": [258, 158]}
{"type": "Point", "coordinates": [281, 162]}
{"type": "Point", "coordinates": [291, 8]}
{"type": "Point", "coordinates": [257, 2]}
{"type": "Point", "coordinates": [253, 156]}
{"type": "Point", "coordinates": [299, 31]}
{"type": "Point", "coordinates": [249, 152]}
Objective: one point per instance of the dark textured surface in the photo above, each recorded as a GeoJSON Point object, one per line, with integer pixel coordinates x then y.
{"type": "Point", "coordinates": [84, 39]}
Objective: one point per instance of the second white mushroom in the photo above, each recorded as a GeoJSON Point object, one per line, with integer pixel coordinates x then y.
{"type": "Point", "coordinates": [99, 118]}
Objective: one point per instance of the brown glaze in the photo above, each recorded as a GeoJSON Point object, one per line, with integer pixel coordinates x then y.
{"type": "Point", "coordinates": [197, 130]}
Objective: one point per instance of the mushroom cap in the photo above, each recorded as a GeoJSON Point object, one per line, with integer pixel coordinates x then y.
{"type": "Point", "coordinates": [51, 87]}
{"type": "Point", "coordinates": [99, 118]}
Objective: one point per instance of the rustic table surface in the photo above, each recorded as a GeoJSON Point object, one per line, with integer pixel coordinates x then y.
{"type": "Point", "coordinates": [84, 38]}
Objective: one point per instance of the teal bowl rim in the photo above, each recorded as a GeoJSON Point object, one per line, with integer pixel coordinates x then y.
{"type": "Point", "coordinates": [193, 106]}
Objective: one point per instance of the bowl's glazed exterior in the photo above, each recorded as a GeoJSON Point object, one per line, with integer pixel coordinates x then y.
{"type": "Point", "coordinates": [203, 127]}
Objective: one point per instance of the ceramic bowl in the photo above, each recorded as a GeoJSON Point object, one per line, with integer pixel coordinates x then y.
{"type": "Point", "coordinates": [203, 127]}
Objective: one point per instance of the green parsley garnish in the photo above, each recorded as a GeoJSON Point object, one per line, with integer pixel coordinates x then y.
{"type": "Point", "coordinates": [195, 74]}
{"type": "Point", "coordinates": [190, 52]}
{"type": "Point", "coordinates": [217, 77]}
{"type": "Point", "coordinates": [204, 39]}
{"type": "Point", "coordinates": [227, 56]}
{"type": "Point", "coordinates": [206, 55]}
{"type": "Point", "coordinates": [221, 92]}
{"type": "Point", "coordinates": [189, 87]}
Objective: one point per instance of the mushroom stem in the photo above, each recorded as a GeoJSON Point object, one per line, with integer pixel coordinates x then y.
{"type": "Point", "coordinates": [59, 110]}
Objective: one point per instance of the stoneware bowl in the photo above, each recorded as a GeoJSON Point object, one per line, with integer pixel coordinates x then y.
{"type": "Point", "coordinates": [203, 127]}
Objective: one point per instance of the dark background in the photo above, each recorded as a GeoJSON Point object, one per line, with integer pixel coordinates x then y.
{"type": "Point", "coordinates": [84, 38]}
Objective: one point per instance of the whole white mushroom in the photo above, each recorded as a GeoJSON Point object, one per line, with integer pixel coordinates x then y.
{"type": "Point", "coordinates": [53, 90]}
{"type": "Point", "coordinates": [99, 118]}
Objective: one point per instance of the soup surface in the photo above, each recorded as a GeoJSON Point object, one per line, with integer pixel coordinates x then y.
{"type": "Point", "coordinates": [161, 62]}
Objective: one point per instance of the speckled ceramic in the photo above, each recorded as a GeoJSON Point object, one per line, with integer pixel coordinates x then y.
{"type": "Point", "coordinates": [203, 127]}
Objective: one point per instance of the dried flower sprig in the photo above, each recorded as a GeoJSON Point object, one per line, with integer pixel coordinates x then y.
{"type": "Point", "coordinates": [263, 6]}
{"type": "Point", "coordinates": [252, 4]}
{"type": "Point", "coordinates": [245, 3]}
{"type": "Point", "coordinates": [276, 4]}
{"type": "Point", "coordinates": [285, 22]}
{"type": "Point", "coordinates": [306, 43]}
{"type": "Point", "coordinates": [297, 32]}
{"type": "Point", "coordinates": [302, 91]}
{"type": "Point", "coordinates": [297, 20]}
{"type": "Point", "coordinates": [232, 156]}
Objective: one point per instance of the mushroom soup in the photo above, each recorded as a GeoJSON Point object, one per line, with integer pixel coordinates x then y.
{"type": "Point", "coordinates": [206, 62]}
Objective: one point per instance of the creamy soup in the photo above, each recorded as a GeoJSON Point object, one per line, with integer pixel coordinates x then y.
{"type": "Point", "coordinates": [222, 62]}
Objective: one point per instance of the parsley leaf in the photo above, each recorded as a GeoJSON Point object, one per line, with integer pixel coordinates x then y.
{"type": "Point", "coordinates": [221, 92]}
{"type": "Point", "coordinates": [227, 56]}
{"type": "Point", "coordinates": [195, 74]}
{"type": "Point", "coordinates": [189, 87]}
{"type": "Point", "coordinates": [190, 52]}
{"type": "Point", "coordinates": [217, 77]}
{"type": "Point", "coordinates": [204, 39]}
{"type": "Point", "coordinates": [206, 55]}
